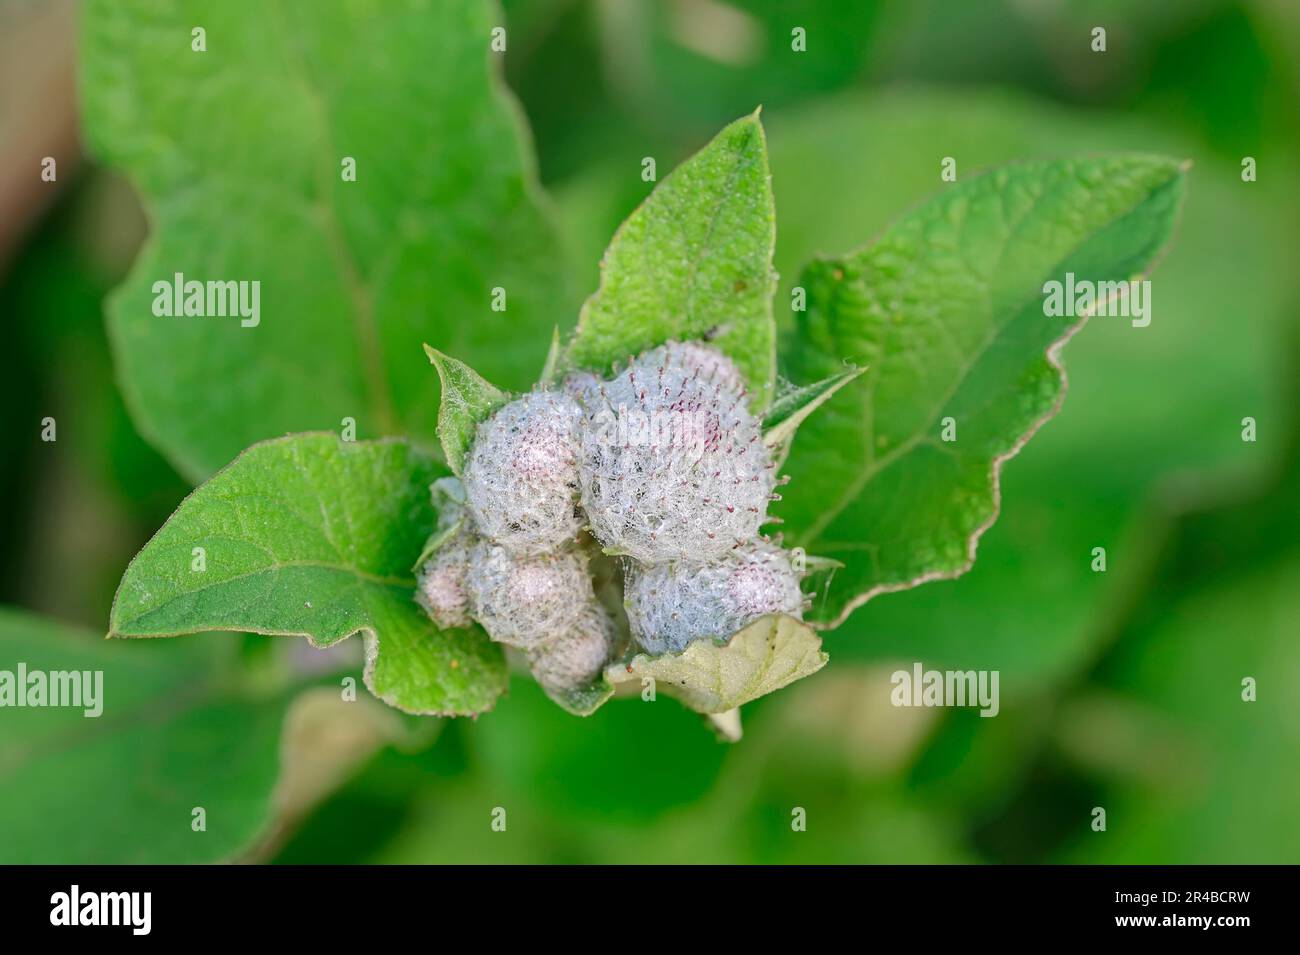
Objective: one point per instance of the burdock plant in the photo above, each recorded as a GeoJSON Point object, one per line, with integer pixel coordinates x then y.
{"type": "Point", "coordinates": [645, 513]}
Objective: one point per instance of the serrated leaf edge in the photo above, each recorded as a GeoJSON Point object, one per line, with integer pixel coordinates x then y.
{"type": "Point", "coordinates": [1053, 355]}
{"type": "Point", "coordinates": [369, 635]}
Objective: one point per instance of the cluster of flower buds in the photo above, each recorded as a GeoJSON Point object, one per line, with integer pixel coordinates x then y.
{"type": "Point", "coordinates": [664, 466]}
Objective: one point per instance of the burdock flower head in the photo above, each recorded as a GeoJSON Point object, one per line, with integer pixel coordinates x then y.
{"type": "Point", "coordinates": [663, 466]}
{"type": "Point", "coordinates": [673, 464]}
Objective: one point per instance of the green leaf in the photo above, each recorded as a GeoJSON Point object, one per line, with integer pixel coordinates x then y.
{"type": "Point", "coordinates": [693, 262]}
{"type": "Point", "coordinates": [716, 676]}
{"type": "Point", "coordinates": [238, 154]}
{"type": "Point", "coordinates": [466, 400]}
{"type": "Point", "coordinates": [1046, 610]}
{"type": "Point", "coordinates": [312, 536]}
{"type": "Point", "coordinates": [790, 409]}
{"type": "Point", "coordinates": [120, 788]}
{"type": "Point", "coordinates": [174, 732]}
{"type": "Point", "coordinates": [946, 310]}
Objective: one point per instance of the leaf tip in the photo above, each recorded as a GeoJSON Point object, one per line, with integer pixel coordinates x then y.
{"type": "Point", "coordinates": [436, 358]}
{"type": "Point", "coordinates": [755, 122]}
{"type": "Point", "coordinates": [552, 366]}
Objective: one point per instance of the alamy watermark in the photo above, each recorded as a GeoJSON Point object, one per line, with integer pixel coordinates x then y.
{"type": "Point", "coordinates": [921, 687]}
{"type": "Point", "coordinates": [212, 299]}
{"type": "Point", "coordinates": [74, 907]}
{"type": "Point", "coordinates": [1083, 297]}
{"type": "Point", "coordinates": [683, 437]}
{"type": "Point", "coordinates": [79, 689]}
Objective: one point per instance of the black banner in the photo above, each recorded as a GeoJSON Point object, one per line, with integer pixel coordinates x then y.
{"type": "Point", "coordinates": [235, 903]}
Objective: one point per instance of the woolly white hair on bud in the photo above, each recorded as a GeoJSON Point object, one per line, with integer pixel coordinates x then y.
{"type": "Point", "coordinates": [525, 601]}
{"type": "Point", "coordinates": [440, 582]}
{"type": "Point", "coordinates": [669, 605]}
{"type": "Point", "coordinates": [521, 476]}
{"type": "Point", "coordinates": [577, 656]}
{"type": "Point", "coordinates": [710, 364]}
{"type": "Point", "coordinates": [441, 585]}
{"type": "Point", "coordinates": [582, 386]}
{"type": "Point", "coordinates": [673, 464]}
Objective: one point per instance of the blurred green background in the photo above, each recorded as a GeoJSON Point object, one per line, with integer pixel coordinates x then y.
{"type": "Point", "coordinates": [1120, 689]}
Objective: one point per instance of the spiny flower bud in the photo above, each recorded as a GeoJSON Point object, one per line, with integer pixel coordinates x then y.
{"type": "Point", "coordinates": [525, 601]}
{"type": "Point", "coordinates": [521, 476]}
{"type": "Point", "coordinates": [582, 386]}
{"type": "Point", "coordinates": [578, 655]}
{"type": "Point", "coordinates": [673, 464]}
{"type": "Point", "coordinates": [669, 605]}
{"type": "Point", "coordinates": [704, 361]}
{"type": "Point", "coordinates": [441, 590]}
{"type": "Point", "coordinates": [441, 579]}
